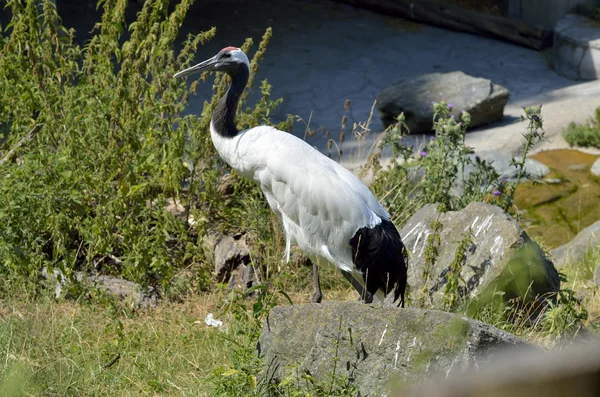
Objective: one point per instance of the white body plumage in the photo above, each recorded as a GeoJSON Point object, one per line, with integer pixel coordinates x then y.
{"type": "Point", "coordinates": [321, 203]}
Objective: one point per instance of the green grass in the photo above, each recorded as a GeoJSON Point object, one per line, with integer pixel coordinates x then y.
{"type": "Point", "coordinates": [582, 271]}
{"type": "Point", "coordinates": [579, 277]}
{"type": "Point", "coordinates": [66, 348]}
{"type": "Point", "coordinates": [81, 348]}
{"type": "Point", "coordinates": [99, 347]}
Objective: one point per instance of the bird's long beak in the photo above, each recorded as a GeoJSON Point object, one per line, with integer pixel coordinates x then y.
{"type": "Point", "coordinates": [205, 66]}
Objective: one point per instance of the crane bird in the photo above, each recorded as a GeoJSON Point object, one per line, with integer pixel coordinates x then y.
{"type": "Point", "coordinates": [325, 209]}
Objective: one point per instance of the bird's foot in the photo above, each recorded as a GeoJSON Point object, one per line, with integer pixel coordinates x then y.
{"type": "Point", "coordinates": [367, 298]}
{"type": "Point", "coordinates": [316, 297]}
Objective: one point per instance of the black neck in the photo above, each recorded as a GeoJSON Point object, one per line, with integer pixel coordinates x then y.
{"type": "Point", "coordinates": [223, 117]}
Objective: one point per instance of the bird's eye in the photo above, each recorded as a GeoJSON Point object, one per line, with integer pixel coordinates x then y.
{"type": "Point", "coordinates": [227, 55]}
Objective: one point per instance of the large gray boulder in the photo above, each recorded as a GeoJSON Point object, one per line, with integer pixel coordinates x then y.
{"type": "Point", "coordinates": [576, 48]}
{"type": "Point", "coordinates": [497, 255]}
{"type": "Point", "coordinates": [577, 248]}
{"type": "Point", "coordinates": [480, 97]}
{"type": "Point", "coordinates": [368, 345]}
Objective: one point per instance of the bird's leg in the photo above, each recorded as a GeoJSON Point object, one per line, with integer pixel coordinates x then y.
{"type": "Point", "coordinates": [365, 296]}
{"type": "Point", "coordinates": [317, 295]}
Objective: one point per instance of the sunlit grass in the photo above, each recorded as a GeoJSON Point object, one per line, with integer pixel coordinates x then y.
{"type": "Point", "coordinates": [81, 348]}
{"type": "Point", "coordinates": [69, 348]}
{"type": "Point", "coordinates": [580, 278]}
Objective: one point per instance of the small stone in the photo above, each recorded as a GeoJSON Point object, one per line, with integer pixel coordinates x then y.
{"type": "Point", "coordinates": [229, 254]}
{"type": "Point", "coordinates": [55, 280]}
{"type": "Point", "coordinates": [502, 163]}
{"type": "Point", "coordinates": [175, 208]}
{"type": "Point", "coordinates": [553, 181]}
{"type": "Point", "coordinates": [595, 170]}
{"type": "Point", "coordinates": [578, 167]}
{"type": "Point", "coordinates": [122, 289]}
{"type": "Point", "coordinates": [125, 290]}
{"type": "Point", "coordinates": [242, 278]}
{"type": "Point", "coordinates": [226, 185]}
{"type": "Point", "coordinates": [536, 169]}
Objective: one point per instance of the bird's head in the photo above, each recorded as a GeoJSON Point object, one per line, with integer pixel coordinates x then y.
{"type": "Point", "coordinates": [228, 60]}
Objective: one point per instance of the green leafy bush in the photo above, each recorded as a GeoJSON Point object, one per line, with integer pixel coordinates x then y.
{"type": "Point", "coordinates": [87, 188]}
{"type": "Point", "coordinates": [584, 135]}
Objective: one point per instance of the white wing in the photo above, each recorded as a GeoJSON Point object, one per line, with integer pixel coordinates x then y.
{"type": "Point", "coordinates": [322, 204]}
{"type": "Point", "coordinates": [362, 190]}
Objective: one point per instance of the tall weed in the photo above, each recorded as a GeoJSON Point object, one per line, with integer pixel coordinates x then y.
{"type": "Point", "coordinates": [113, 149]}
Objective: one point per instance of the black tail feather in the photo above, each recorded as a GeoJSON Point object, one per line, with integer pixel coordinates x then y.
{"type": "Point", "coordinates": [380, 256]}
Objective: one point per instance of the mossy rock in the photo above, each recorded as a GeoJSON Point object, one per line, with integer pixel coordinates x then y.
{"type": "Point", "coordinates": [496, 253]}
{"type": "Point", "coordinates": [370, 345]}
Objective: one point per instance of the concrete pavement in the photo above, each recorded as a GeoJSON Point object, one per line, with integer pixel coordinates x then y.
{"type": "Point", "coordinates": [324, 52]}
{"type": "Point", "coordinates": [320, 55]}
